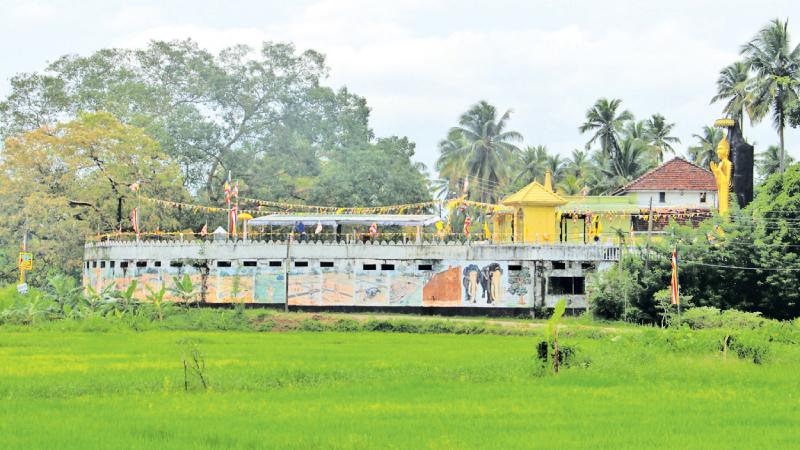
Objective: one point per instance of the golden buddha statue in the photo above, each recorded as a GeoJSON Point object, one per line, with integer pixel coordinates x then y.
{"type": "Point", "coordinates": [722, 173]}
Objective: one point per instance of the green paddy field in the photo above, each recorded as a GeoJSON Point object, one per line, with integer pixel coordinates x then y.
{"type": "Point", "coordinates": [125, 389]}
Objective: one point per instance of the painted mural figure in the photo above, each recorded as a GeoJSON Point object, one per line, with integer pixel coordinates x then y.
{"type": "Point", "coordinates": [472, 277]}
{"type": "Point", "coordinates": [491, 281]}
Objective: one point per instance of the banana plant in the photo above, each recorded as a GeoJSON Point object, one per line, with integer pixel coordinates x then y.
{"type": "Point", "coordinates": [156, 300]}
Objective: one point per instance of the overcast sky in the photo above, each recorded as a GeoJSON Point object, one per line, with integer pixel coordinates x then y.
{"type": "Point", "coordinates": [422, 63]}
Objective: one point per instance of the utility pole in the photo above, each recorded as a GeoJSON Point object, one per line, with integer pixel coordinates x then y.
{"type": "Point", "coordinates": [649, 231]}
{"type": "Point", "coordinates": [286, 272]}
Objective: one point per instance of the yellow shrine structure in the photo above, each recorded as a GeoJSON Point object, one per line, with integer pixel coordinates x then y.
{"type": "Point", "coordinates": [532, 219]}
{"type": "Point", "coordinates": [537, 214]}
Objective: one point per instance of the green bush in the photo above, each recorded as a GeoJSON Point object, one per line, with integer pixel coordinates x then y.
{"type": "Point", "coordinates": [750, 346]}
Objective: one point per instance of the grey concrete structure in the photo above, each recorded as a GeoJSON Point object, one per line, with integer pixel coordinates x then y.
{"type": "Point", "coordinates": [323, 274]}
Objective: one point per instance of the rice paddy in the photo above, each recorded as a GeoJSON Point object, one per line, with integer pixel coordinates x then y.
{"type": "Point", "coordinates": [124, 389]}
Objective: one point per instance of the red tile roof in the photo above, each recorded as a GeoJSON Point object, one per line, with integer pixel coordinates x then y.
{"type": "Point", "coordinates": [674, 175]}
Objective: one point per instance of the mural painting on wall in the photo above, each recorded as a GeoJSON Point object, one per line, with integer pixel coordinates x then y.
{"type": "Point", "coordinates": [443, 288]}
{"type": "Point", "coordinates": [233, 285]}
{"type": "Point", "coordinates": [446, 284]}
{"type": "Point", "coordinates": [477, 284]}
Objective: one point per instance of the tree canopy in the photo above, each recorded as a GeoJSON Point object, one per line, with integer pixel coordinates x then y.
{"type": "Point", "coordinates": [65, 182]}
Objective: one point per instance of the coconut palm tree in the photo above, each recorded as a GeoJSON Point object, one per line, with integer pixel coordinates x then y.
{"type": "Point", "coordinates": [606, 123]}
{"type": "Point", "coordinates": [768, 161]}
{"type": "Point", "coordinates": [556, 167]}
{"type": "Point", "coordinates": [488, 148]}
{"type": "Point", "coordinates": [706, 149]}
{"type": "Point", "coordinates": [451, 166]}
{"type": "Point", "coordinates": [570, 185]}
{"type": "Point", "coordinates": [777, 67]}
{"type": "Point", "coordinates": [578, 164]}
{"type": "Point", "coordinates": [658, 136]}
{"type": "Point", "coordinates": [635, 129]}
{"type": "Point", "coordinates": [633, 161]}
{"type": "Point", "coordinates": [533, 165]}
{"type": "Point", "coordinates": [733, 87]}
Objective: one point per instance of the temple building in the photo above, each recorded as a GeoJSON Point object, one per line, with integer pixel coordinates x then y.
{"type": "Point", "coordinates": [537, 246]}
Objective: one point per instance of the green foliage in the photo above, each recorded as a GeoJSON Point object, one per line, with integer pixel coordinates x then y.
{"type": "Point", "coordinates": [480, 148]}
{"type": "Point", "coordinates": [184, 290]}
{"type": "Point", "coordinates": [66, 181]}
{"type": "Point", "coordinates": [776, 64]}
{"type": "Point", "coordinates": [359, 176]}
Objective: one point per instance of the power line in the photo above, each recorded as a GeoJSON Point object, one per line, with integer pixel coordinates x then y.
{"type": "Point", "coordinates": [724, 266]}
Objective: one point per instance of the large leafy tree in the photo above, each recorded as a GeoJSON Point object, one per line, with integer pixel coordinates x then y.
{"type": "Point", "coordinates": [488, 147]}
{"type": "Point", "coordinates": [262, 113]}
{"type": "Point", "coordinates": [659, 136]}
{"type": "Point", "coordinates": [375, 174]}
{"type": "Point", "coordinates": [733, 88]}
{"type": "Point", "coordinates": [777, 241]}
{"type": "Point", "coordinates": [776, 64]}
{"type": "Point", "coordinates": [705, 151]}
{"type": "Point", "coordinates": [65, 182]}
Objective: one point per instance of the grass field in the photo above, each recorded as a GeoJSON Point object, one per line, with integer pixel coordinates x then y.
{"type": "Point", "coordinates": [82, 390]}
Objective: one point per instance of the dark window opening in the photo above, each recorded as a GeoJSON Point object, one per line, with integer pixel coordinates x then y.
{"type": "Point", "coordinates": [113, 263]}
{"type": "Point", "coordinates": [275, 263]}
{"type": "Point", "coordinates": [250, 263]}
{"type": "Point", "coordinates": [425, 267]}
{"type": "Point", "coordinates": [369, 267]}
{"type": "Point", "coordinates": [702, 197]}
{"type": "Point", "coordinates": [157, 263]}
{"type": "Point", "coordinates": [587, 266]}
{"type": "Point", "coordinates": [301, 263]}
{"type": "Point", "coordinates": [387, 266]}
{"type": "Point", "coordinates": [662, 197]}
{"type": "Point", "coordinates": [516, 267]}
{"type": "Point", "coordinates": [88, 264]}
{"type": "Point", "coordinates": [102, 264]}
{"type": "Point", "coordinates": [175, 264]}
{"type": "Point", "coordinates": [94, 264]}
{"type": "Point", "coordinates": [123, 264]}
{"type": "Point", "coordinates": [566, 286]}
{"type": "Point", "coordinates": [141, 263]}
{"type": "Point", "coordinates": [559, 265]}
{"type": "Point", "coordinates": [223, 264]}
{"type": "Point", "coordinates": [326, 263]}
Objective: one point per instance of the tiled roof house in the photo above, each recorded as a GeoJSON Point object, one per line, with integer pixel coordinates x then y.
{"type": "Point", "coordinates": [675, 183]}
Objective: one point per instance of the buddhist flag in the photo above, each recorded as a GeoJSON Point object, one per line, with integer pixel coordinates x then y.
{"type": "Point", "coordinates": [236, 190]}
{"type": "Point", "coordinates": [204, 230]}
{"type": "Point", "coordinates": [135, 220]}
{"type": "Point", "coordinates": [674, 287]}
{"type": "Point", "coordinates": [232, 221]}
{"type": "Point", "coordinates": [467, 223]}
{"type": "Point", "coordinates": [226, 188]}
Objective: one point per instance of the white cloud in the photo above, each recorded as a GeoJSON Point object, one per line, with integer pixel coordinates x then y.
{"type": "Point", "coordinates": [421, 63]}
{"type": "Point", "coordinates": [31, 12]}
